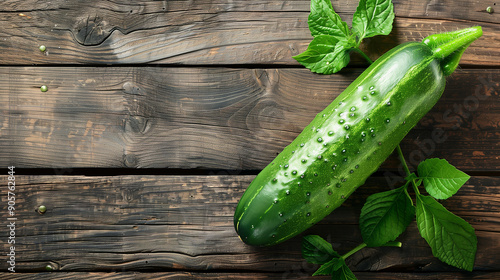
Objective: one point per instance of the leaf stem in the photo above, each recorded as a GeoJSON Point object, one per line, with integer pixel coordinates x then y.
{"type": "Point", "coordinates": [393, 244]}
{"type": "Point", "coordinates": [363, 55]}
{"type": "Point", "coordinates": [359, 247]}
{"type": "Point", "coordinates": [407, 170]}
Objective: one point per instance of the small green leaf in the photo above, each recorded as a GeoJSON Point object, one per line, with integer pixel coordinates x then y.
{"type": "Point", "coordinates": [325, 55]}
{"type": "Point", "coordinates": [451, 238]}
{"type": "Point", "coordinates": [441, 179]}
{"type": "Point", "coordinates": [373, 17]}
{"type": "Point", "coordinates": [330, 267]}
{"type": "Point", "coordinates": [343, 273]}
{"type": "Point", "coordinates": [323, 20]}
{"type": "Point", "coordinates": [385, 216]}
{"type": "Point", "coordinates": [317, 250]}
{"type": "Point", "coordinates": [411, 177]}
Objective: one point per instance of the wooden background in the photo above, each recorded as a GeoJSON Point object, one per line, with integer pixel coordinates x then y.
{"type": "Point", "coordinates": [160, 113]}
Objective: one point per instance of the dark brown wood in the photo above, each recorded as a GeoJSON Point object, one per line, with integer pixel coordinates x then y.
{"type": "Point", "coordinates": [186, 223]}
{"type": "Point", "coordinates": [213, 118]}
{"type": "Point", "coordinates": [211, 32]}
{"type": "Point", "coordinates": [246, 275]}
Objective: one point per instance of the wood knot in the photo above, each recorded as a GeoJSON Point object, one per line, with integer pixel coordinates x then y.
{"type": "Point", "coordinates": [137, 124]}
{"type": "Point", "coordinates": [131, 88]}
{"type": "Point", "coordinates": [91, 31]}
{"type": "Point", "coordinates": [130, 160]}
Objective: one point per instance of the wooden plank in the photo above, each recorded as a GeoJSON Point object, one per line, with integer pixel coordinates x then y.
{"type": "Point", "coordinates": [211, 32]}
{"type": "Point", "coordinates": [213, 118]}
{"type": "Point", "coordinates": [256, 276]}
{"type": "Point", "coordinates": [129, 223]}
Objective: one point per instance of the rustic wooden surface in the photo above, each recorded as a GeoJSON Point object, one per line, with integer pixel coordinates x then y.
{"type": "Point", "coordinates": [207, 93]}
{"type": "Point", "coordinates": [186, 222]}
{"type": "Point", "coordinates": [210, 32]}
{"type": "Point", "coordinates": [223, 118]}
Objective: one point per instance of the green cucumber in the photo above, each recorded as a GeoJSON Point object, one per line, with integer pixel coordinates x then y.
{"type": "Point", "coordinates": [349, 139]}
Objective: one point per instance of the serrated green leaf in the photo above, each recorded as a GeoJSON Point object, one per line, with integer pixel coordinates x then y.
{"type": "Point", "coordinates": [317, 250]}
{"type": "Point", "coordinates": [385, 216]}
{"type": "Point", "coordinates": [343, 273]}
{"type": "Point", "coordinates": [323, 20]}
{"type": "Point", "coordinates": [325, 55]}
{"type": "Point", "coordinates": [441, 179]}
{"type": "Point", "coordinates": [330, 267]}
{"type": "Point", "coordinates": [373, 17]}
{"type": "Point", "coordinates": [451, 238]}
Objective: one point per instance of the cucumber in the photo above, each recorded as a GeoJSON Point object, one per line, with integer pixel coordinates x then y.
{"type": "Point", "coordinates": [348, 140]}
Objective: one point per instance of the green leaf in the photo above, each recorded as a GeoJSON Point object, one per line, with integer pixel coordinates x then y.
{"type": "Point", "coordinates": [373, 17]}
{"type": "Point", "coordinates": [323, 20]}
{"type": "Point", "coordinates": [330, 267]}
{"type": "Point", "coordinates": [451, 238]}
{"type": "Point", "coordinates": [385, 216]}
{"type": "Point", "coordinates": [343, 273]}
{"type": "Point", "coordinates": [441, 179]}
{"type": "Point", "coordinates": [317, 250]}
{"type": "Point", "coordinates": [325, 55]}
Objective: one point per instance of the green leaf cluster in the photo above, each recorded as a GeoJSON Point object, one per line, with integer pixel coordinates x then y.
{"type": "Point", "coordinates": [318, 251]}
{"type": "Point", "coordinates": [329, 51]}
{"type": "Point", "coordinates": [387, 214]}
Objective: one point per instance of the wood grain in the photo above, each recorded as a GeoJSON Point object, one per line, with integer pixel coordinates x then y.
{"type": "Point", "coordinates": [211, 32]}
{"type": "Point", "coordinates": [213, 118]}
{"type": "Point", "coordinates": [123, 223]}
{"type": "Point", "coordinates": [247, 275]}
